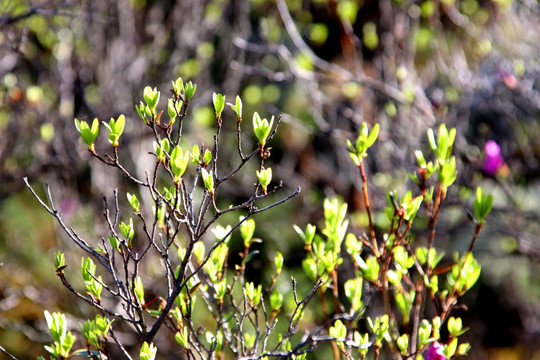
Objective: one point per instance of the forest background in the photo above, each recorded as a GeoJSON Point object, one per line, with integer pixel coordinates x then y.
{"type": "Point", "coordinates": [325, 66]}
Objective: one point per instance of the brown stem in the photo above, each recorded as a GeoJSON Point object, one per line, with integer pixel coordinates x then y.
{"type": "Point", "coordinates": [335, 348]}
{"type": "Point", "coordinates": [439, 197]}
{"type": "Point", "coordinates": [368, 210]}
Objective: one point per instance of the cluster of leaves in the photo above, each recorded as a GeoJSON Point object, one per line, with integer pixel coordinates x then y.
{"type": "Point", "coordinates": [406, 274]}
{"type": "Point", "coordinates": [249, 320]}
{"type": "Point", "coordinates": [176, 229]}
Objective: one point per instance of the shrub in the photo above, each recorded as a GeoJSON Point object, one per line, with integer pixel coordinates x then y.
{"type": "Point", "coordinates": [205, 300]}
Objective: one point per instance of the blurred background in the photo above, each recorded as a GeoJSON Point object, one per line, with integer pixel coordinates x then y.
{"type": "Point", "coordinates": [325, 66]}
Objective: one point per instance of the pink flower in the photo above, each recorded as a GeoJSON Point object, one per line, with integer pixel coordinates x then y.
{"type": "Point", "coordinates": [435, 352]}
{"type": "Point", "coordinates": [493, 159]}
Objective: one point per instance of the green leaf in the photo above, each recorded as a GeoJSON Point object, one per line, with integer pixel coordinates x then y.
{"type": "Point", "coordinates": [373, 135]}
{"type": "Point", "coordinates": [447, 172]}
{"type": "Point", "coordinates": [128, 231]}
{"type": "Point", "coordinates": [219, 103]}
{"type": "Point", "coordinates": [338, 330]}
{"type": "Point", "coordinates": [434, 257]}
{"type": "Point", "coordinates": [182, 337]}
{"type": "Point", "coordinates": [199, 251]}
{"type": "Point", "coordinates": [276, 300]}
{"type": "Point", "coordinates": [310, 268]}
{"type": "Point", "coordinates": [134, 202]}
{"type": "Point", "coordinates": [262, 128]}
{"type": "Point", "coordinates": [352, 245]}
{"type": "Point", "coordinates": [421, 254]}
{"type": "Point", "coordinates": [424, 333]}
{"type": "Point", "coordinates": [237, 108]}
{"type": "Point", "coordinates": [151, 97]}
{"type": "Point", "coordinates": [59, 259]}
{"type": "Point", "coordinates": [450, 349]}
{"type": "Point", "coordinates": [178, 86]}
{"type": "Point", "coordinates": [278, 262]}
{"type": "Point", "coordinates": [247, 228]}
{"type": "Point", "coordinates": [179, 161]}
{"type": "Point", "coordinates": [207, 157]}
{"type": "Point", "coordinates": [253, 293]}
{"type": "Point", "coordinates": [139, 289]}
{"type": "Point", "coordinates": [148, 352]}
{"type": "Point", "coordinates": [353, 291]}
{"type": "Point", "coordinates": [56, 322]}
{"type": "Point", "coordinates": [308, 235]}
{"type": "Point", "coordinates": [189, 90]}
{"type": "Point", "coordinates": [94, 287]}
{"type": "Point", "coordinates": [371, 269]}
{"type": "Point", "coordinates": [404, 302]}
{"type": "Point", "coordinates": [88, 134]}
{"type": "Point", "coordinates": [171, 111]}
{"type": "Point", "coordinates": [411, 207]}
{"type": "Point", "coordinates": [464, 274]}
{"type": "Point", "coordinates": [420, 159]}
{"type": "Point", "coordinates": [161, 149]}
{"type": "Point", "coordinates": [208, 179]}
{"type": "Point", "coordinates": [220, 289]}
{"type": "Point", "coordinates": [265, 177]}
{"type": "Point", "coordinates": [403, 261]}
{"type": "Point", "coordinates": [196, 154]}
{"type": "Point", "coordinates": [431, 139]}
{"type": "Point", "coordinates": [379, 327]}
{"type": "Point", "coordinates": [482, 205]}
{"type": "Point", "coordinates": [463, 349]}
{"type": "Point", "coordinates": [455, 326]}
{"type": "Point", "coordinates": [114, 242]}
{"type": "Point", "coordinates": [88, 268]}
{"type": "Point", "coordinates": [394, 277]}
{"type": "Point", "coordinates": [116, 128]}
{"type": "Point", "coordinates": [363, 142]}
{"type": "Point", "coordinates": [403, 344]}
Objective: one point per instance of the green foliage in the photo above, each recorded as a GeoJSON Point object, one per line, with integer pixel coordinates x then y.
{"type": "Point", "coordinates": [402, 271]}
{"type": "Point", "coordinates": [63, 339]}
{"type": "Point", "coordinates": [179, 161]}
{"type": "Point", "coordinates": [208, 179]}
{"type": "Point", "coordinates": [134, 202]}
{"type": "Point", "coordinates": [265, 177]}
{"type": "Point", "coordinates": [93, 284]}
{"type": "Point", "coordinates": [161, 149]}
{"type": "Point", "coordinates": [364, 141]}
{"type": "Point", "coordinates": [189, 90]}
{"type": "Point", "coordinates": [139, 289]}
{"type": "Point", "coordinates": [151, 97]}
{"type": "Point", "coordinates": [59, 260]}
{"type": "Point", "coordinates": [88, 134]}
{"type": "Point", "coordinates": [184, 222]}
{"type": "Point", "coordinates": [95, 331]}
{"type": "Point", "coordinates": [219, 104]}
{"type": "Point", "coordinates": [148, 352]}
{"type": "Point", "coordinates": [262, 128]}
{"type": "Point", "coordinates": [237, 108]}
{"type": "Point", "coordinates": [482, 205]}
{"type": "Point", "coordinates": [253, 293]}
{"type": "Point", "coordinates": [247, 228]}
{"type": "Point", "coordinates": [116, 128]}
{"type": "Point", "coordinates": [128, 232]}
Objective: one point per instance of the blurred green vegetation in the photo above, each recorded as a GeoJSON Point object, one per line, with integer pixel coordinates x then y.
{"type": "Point", "coordinates": [405, 64]}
